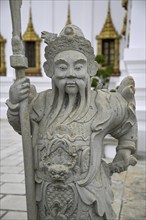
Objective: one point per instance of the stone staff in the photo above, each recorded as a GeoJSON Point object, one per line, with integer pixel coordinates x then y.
{"type": "Point", "coordinates": [19, 62]}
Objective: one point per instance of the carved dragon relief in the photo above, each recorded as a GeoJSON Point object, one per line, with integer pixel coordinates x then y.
{"type": "Point", "coordinates": [63, 161]}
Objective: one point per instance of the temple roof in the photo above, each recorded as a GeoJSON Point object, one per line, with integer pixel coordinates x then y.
{"type": "Point", "coordinates": [68, 14]}
{"type": "Point", "coordinates": [2, 38]}
{"type": "Point", "coordinates": [108, 30]}
{"type": "Point", "coordinates": [30, 34]}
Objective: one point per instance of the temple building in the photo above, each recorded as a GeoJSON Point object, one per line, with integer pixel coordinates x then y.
{"type": "Point", "coordinates": [2, 56]}
{"type": "Point", "coordinates": [109, 44]}
{"type": "Point", "coordinates": [32, 49]}
{"type": "Point", "coordinates": [115, 29]}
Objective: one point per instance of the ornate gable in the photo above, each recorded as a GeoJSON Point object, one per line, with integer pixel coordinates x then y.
{"type": "Point", "coordinates": [109, 43]}
{"type": "Point", "coordinates": [32, 49]}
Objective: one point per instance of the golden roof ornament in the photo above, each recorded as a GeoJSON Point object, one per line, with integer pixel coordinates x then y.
{"type": "Point", "coordinates": [30, 34]}
{"type": "Point", "coordinates": [30, 37]}
{"type": "Point", "coordinates": [125, 4]}
{"type": "Point", "coordinates": [2, 39]}
{"type": "Point", "coordinates": [68, 14]}
{"type": "Point", "coordinates": [123, 32]}
{"type": "Point", "coordinates": [108, 30]}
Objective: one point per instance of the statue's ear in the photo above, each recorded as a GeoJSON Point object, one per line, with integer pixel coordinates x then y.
{"type": "Point", "coordinates": [93, 69]}
{"type": "Point", "coordinates": [48, 69]}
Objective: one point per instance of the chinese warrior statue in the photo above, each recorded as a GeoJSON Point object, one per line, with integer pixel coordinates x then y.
{"type": "Point", "coordinates": [68, 125]}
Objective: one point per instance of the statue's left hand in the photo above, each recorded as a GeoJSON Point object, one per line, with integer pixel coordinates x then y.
{"type": "Point", "coordinates": [121, 161]}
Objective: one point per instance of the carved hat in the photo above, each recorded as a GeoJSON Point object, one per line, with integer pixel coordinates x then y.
{"type": "Point", "coordinates": [70, 38]}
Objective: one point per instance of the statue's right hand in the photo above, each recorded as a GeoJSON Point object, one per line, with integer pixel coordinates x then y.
{"type": "Point", "coordinates": [19, 90]}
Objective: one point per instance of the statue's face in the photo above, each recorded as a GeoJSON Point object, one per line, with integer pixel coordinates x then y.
{"type": "Point", "coordinates": [70, 71]}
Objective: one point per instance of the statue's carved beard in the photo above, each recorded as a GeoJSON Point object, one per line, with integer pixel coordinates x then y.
{"type": "Point", "coordinates": [68, 107]}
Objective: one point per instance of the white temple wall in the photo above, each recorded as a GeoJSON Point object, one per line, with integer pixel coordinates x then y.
{"type": "Point", "coordinates": [134, 63]}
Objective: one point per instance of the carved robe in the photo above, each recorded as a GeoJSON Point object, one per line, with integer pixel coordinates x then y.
{"type": "Point", "coordinates": [72, 180]}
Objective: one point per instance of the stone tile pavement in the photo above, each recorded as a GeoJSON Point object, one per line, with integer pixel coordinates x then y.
{"type": "Point", "coordinates": [129, 187]}
{"type": "Point", "coordinates": [12, 188]}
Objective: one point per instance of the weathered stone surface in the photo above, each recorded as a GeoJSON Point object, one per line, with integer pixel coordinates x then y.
{"type": "Point", "coordinates": [11, 162]}
{"type": "Point", "coordinates": [117, 179]}
{"type": "Point", "coordinates": [12, 202]}
{"type": "Point", "coordinates": [12, 178]}
{"type": "Point", "coordinates": [11, 188]}
{"type": "Point", "coordinates": [2, 213]}
{"type": "Point", "coordinates": [134, 196]}
{"type": "Point", "coordinates": [69, 124]}
{"type": "Point", "coordinates": [129, 212]}
{"type": "Point", "coordinates": [15, 216]}
{"type": "Point", "coordinates": [12, 170]}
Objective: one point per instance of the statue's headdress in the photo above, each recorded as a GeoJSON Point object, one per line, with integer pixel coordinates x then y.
{"type": "Point", "coordinates": [70, 38]}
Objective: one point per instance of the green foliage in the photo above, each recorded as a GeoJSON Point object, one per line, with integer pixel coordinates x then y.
{"type": "Point", "coordinates": [103, 73]}
{"type": "Point", "coordinates": [113, 90]}
{"type": "Point", "coordinates": [100, 59]}
{"type": "Point", "coordinates": [94, 82]}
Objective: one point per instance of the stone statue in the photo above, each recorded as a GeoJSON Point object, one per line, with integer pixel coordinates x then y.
{"type": "Point", "coordinates": [68, 125]}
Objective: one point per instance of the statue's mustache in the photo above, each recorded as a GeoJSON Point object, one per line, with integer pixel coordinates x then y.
{"type": "Point", "coordinates": [73, 82]}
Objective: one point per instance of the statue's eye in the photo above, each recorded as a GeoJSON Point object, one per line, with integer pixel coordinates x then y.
{"type": "Point", "coordinates": [52, 172]}
{"type": "Point", "coordinates": [78, 67]}
{"type": "Point", "coordinates": [63, 67]}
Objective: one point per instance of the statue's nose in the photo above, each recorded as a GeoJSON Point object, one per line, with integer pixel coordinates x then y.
{"type": "Point", "coordinates": [71, 73]}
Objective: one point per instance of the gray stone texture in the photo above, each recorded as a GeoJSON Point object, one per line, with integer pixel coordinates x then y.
{"type": "Point", "coordinates": [12, 178]}
{"type": "Point", "coordinates": [15, 216]}
{"type": "Point", "coordinates": [13, 188]}
{"type": "Point", "coordinates": [63, 131]}
{"type": "Point", "coordinates": [129, 188]}
{"type": "Point", "coordinates": [14, 202]}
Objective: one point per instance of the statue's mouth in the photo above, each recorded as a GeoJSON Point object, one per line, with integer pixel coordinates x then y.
{"type": "Point", "coordinates": [70, 84]}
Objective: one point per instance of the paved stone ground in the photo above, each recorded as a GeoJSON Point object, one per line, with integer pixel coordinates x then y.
{"type": "Point", "coordinates": [129, 187]}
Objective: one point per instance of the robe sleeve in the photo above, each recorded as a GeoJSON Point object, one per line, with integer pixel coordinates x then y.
{"type": "Point", "coordinates": [126, 134]}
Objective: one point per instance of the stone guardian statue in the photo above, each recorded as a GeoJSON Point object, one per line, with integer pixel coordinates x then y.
{"type": "Point", "coordinates": [68, 125]}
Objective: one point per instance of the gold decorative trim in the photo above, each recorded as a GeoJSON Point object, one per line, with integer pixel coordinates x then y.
{"type": "Point", "coordinates": [123, 32]}
{"type": "Point", "coordinates": [109, 32]}
{"type": "Point", "coordinates": [2, 56]}
{"type": "Point", "coordinates": [68, 14]}
{"type": "Point", "coordinates": [125, 4]}
{"type": "Point", "coordinates": [31, 36]}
